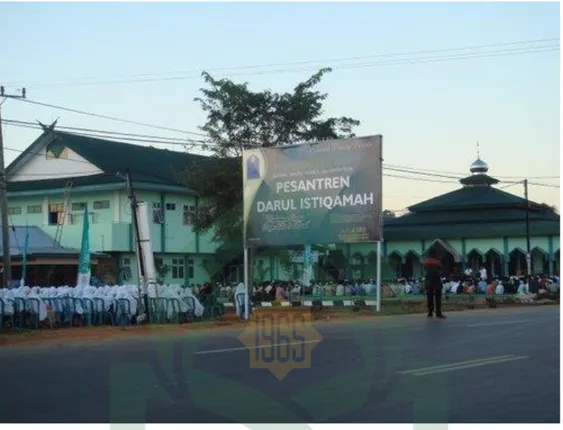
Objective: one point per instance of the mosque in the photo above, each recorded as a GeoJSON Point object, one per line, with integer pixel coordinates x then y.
{"type": "Point", "coordinates": [474, 226]}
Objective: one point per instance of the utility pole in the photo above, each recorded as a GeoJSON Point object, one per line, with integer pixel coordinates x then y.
{"type": "Point", "coordinates": [135, 219]}
{"type": "Point", "coordinates": [528, 252]}
{"type": "Point", "coordinates": [7, 262]}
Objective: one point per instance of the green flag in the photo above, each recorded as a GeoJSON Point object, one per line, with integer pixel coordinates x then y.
{"type": "Point", "coordinates": [84, 259]}
{"type": "Point", "coordinates": [307, 265]}
{"type": "Point", "coordinates": [24, 256]}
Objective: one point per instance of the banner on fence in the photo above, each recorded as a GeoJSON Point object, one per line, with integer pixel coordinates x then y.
{"type": "Point", "coordinates": [323, 192]}
{"type": "Point", "coordinates": [24, 257]}
{"type": "Point", "coordinates": [84, 273]}
{"type": "Point", "coordinates": [307, 265]}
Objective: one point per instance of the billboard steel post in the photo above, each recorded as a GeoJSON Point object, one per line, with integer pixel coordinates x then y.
{"type": "Point", "coordinates": [246, 286]}
{"type": "Point", "coordinates": [378, 278]}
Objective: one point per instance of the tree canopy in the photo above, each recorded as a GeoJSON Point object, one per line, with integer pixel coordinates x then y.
{"type": "Point", "coordinates": [239, 118]}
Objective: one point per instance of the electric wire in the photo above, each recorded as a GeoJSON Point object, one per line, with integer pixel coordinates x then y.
{"type": "Point", "coordinates": [405, 170]}
{"type": "Point", "coordinates": [168, 140]}
{"type": "Point", "coordinates": [390, 175]}
{"type": "Point", "coordinates": [500, 176]}
{"type": "Point", "coordinates": [108, 117]}
{"type": "Point", "coordinates": [420, 56]}
{"type": "Point", "coordinates": [144, 138]}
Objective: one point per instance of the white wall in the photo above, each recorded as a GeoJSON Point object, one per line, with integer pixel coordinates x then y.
{"type": "Point", "coordinates": [39, 167]}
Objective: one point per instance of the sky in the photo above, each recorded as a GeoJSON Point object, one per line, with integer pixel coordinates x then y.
{"type": "Point", "coordinates": [431, 113]}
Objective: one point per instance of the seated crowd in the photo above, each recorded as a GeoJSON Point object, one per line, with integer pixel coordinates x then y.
{"type": "Point", "coordinates": [287, 290]}
{"type": "Point", "coordinates": [479, 283]}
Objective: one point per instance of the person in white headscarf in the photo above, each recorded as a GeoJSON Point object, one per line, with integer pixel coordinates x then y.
{"type": "Point", "coordinates": [198, 311]}
{"type": "Point", "coordinates": [483, 273]}
{"type": "Point", "coordinates": [32, 301]}
{"type": "Point", "coordinates": [499, 289]}
{"type": "Point", "coordinates": [7, 297]}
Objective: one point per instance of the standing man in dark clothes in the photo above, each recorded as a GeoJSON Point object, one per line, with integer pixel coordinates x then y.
{"type": "Point", "coordinates": [533, 284]}
{"type": "Point", "coordinates": [205, 291]}
{"type": "Point", "coordinates": [433, 285]}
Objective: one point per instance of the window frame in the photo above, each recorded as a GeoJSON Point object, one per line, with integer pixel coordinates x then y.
{"type": "Point", "coordinates": [178, 266]}
{"type": "Point", "coordinates": [190, 268]}
{"type": "Point", "coordinates": [40, 211]}
{"type": "Point", "coordinates": [101, 205]}
{"type": "Point", "coordinates": [127, 268]}
{"type": "Point", "coordinates": [157, 213]}
{"type": "Point", "coordinates": [188, 214]}
{"type": "Point", "coordinates": [73, 208]}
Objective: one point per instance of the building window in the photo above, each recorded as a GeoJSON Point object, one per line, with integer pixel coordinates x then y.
{"type": "Point", "coordinates": [191, 269]}
{"type": "Point", "coordinates": [188, 214]}
{"type": "Point", "coordinates": [178, 268]}
{"type": "Point", "coordinates": [56, 151]}
{"type": "Point", "coordinates": [78, 206]}
{"type": "Point", "coordinates": [14, 210]}
{"type": "Point", "coordinates": [157, 213]}
{"type": "Point", "coordinates": [127, 273]}
{"type": "Point", "coordinates": [34, 209]}
{"type": "Point", "coordinates": [297, 270]}
{"type": "Point", "coordinates": [56, 211]}
{"type": "Point", "coordinates": [158, 262]}
{"type": "Point", "coordinates": [170, 206]}
{"type": "Point", "coordinates": [101, 204]}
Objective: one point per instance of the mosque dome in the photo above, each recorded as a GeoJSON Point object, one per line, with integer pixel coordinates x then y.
{"type": "Point", "coordinates": [479, 167]}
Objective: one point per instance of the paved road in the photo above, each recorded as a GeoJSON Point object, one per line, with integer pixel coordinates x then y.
{"type": "Point", "coordinates": [480, 366]}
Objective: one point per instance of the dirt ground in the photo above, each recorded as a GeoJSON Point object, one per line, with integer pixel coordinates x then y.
{"type": "Point", "coordinates": [49, 336]}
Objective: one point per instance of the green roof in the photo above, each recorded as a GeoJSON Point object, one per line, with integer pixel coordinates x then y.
{"type": "Point", "coordinates": [483, 229]}
{"type": "Point", "coordinates": [146, 164]}
{"type": "Point", "coordinates": [472, 211]}
{"type": "Point", "coordinates": [54, 184]}
{"type": "Point", "coordinates": [480, 179]}
{"type": "Point", "coordinates": [40, 244]}
{"type": "Point", "coordinates": [471, 217]}
{"type": "Point", "coordinates": [477, 197]}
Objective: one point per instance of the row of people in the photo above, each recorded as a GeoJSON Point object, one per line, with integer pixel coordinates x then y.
{"type": "Point", "coordinates": [472, 284]}
{"type": "Point", "coordinates": [50, 298]}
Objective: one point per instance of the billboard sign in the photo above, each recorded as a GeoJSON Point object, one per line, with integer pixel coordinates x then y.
{"type": "Point", "coordinates": [314, 193]}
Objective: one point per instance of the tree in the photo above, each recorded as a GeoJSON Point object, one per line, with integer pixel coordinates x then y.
{"type": "Point", "coordinates": [550, 208]}
{"type": "Point", "coordinates": [162, 271]}
{"type": "Point", "coordinates": [239, 118]}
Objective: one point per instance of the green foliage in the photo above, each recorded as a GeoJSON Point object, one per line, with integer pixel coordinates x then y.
{"type": "Point", "coordinates": [218, 181]}
{"type": "Point", "coordinates": [508, 299]}
{"type": "Point", "coordinates": [549, 208]}
{"type": "Point", "coordinates": [285, 260]}
{"type": "Point", "coordinates": [238, 118]}
{"type": "Point", "coordinates": [262, 271]}
{"type": "Point", "coordinates": [491, 301]}
{"type": "Point", "coordinates": [471, 301]}
{"type": "Point", "coordinates": [162, 271]}
{"type": "Point", "coordinates": [212, 268]}
{"type": "Point", "coordinates": [358, 303]}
